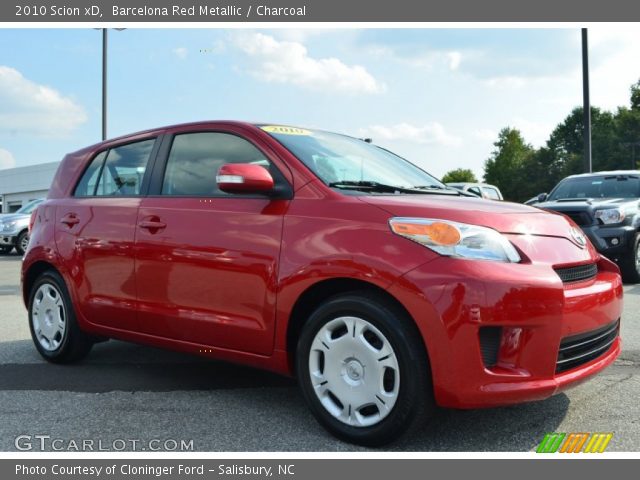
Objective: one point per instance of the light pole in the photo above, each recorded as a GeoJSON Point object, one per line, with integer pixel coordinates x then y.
{"type": "Point", "coordinates": [586, 103]}
{"type": "Point", "coordinates": [104, 83]}
{"type": "Point", "coordinates": [105, 42]}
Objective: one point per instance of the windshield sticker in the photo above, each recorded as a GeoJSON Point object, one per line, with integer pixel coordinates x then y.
{"type": "Point", "coordinates": [596, 182]}
{"type": "Point", "coordinates": [285, 130]}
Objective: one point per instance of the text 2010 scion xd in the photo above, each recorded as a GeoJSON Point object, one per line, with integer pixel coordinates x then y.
{"type": "Point", "coordinates": [322, 256]}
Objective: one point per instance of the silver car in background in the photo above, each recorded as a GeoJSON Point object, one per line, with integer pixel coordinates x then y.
{"type": "Point", "coordinates": [482, 190]}
{"type": "Point", "coordinates": [14, 228]}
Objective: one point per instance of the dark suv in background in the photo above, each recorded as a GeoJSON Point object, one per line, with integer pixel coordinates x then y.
{"type": "Point", "coordinates": [605, 206]}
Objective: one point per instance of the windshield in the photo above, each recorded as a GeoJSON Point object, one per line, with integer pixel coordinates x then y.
{"type": "Point", "coordinates": [614, 186]}
{"type": "Point", "coordinates": [29, 207]}
{"type": "Point", "coordinates": [342, 160]}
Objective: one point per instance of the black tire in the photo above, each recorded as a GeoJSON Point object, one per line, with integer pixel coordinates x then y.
{"type": "Point", "coordinates": [414, 401]}
{"type": "Point", "coordinates": [629, 265]}
{"type": "Point", "coordinates": [74, 344]}
{"type": "Point", "coordinates": [5, 250]}
{"type": "Point", "coordinates": [22, 242]}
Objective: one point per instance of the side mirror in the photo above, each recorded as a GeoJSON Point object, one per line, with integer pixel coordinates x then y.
{"type": "Point", "coordinates": [244, 178]}
{"type": "Point", "coordinates": [542, 197]}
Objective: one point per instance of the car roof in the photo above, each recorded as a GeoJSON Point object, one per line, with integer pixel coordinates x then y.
{"type": "Point", "coordinates": [605, 173]}
{"type": "Point", "coordinates": [199, 123]}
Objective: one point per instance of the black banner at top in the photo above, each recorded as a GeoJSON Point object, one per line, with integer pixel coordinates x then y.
{"type": "Point", "coordinates": [318, 11]}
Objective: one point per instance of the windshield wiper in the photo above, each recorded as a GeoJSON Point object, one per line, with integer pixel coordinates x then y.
{"type": "Point", "coordinates": [371, 186]}
{"type": "Point", "coordinates": [576, 199]}
{"type": "Point", "coordinates": [447, 189]}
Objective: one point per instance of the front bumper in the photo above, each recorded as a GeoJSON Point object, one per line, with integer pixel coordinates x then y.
{"type": "Point", "coordinates": [7, 240]}
{"type": "Point", "coordinates": [612, 242]}
{"type": "Point", "coordinates": [529, 308]}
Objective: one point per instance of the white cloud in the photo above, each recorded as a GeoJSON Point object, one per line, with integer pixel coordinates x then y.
{"type": "Point", "coordinates": [534, 132]}
{"type": "Point", "coordinates": [454, 60]}
{"type": "Point", "coordinates": [432, 133]}
{"type": "Point", "coordinates": [613, 54]}
{"type": "Point", "coordinates": [28, 107]}
{"type": "Point", "coordinates": [180, 52]}
{"type": "Point", "coordinates": [303, 34]}
{"type": "Point", "coordinates": [6, 159]}
{"type": "Point", "coordinates": [289, 62]}
{"type": "Point", "coordinates": [432, 60]}
{"type": "Point", "coordinates": [507, 81]}
{"type": "Point", "coordinates": [485, 134]}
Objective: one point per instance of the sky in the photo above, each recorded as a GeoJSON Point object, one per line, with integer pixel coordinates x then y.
{"type": "Point", "coordinates": [436, 96]}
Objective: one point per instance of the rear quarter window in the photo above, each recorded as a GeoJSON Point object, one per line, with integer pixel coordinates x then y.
{"type": "Point", "coordinates": [87, 185]}
{"type": "Point", "coordinates": [116, 172]}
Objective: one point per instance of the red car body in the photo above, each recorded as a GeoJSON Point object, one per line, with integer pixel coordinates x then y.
{"type": "Point", "coordinates": [233, 278]}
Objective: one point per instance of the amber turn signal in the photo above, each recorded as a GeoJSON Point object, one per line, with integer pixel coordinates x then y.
{"type": "Point", "coordinates": [439, 232]}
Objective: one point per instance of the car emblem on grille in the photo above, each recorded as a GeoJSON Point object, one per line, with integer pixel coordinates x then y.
{"type": "Point", "coordinates": [578, 237]}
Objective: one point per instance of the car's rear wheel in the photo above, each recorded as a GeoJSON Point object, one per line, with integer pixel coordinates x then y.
{"type": "Point", "coordinates": [363, 369]}
{"type": "Point", "coordinates": [22, 242]}
{"type": "Point", "coordinates": [52, 321]}
{"type": "Point", "coordinates": [630, 263]}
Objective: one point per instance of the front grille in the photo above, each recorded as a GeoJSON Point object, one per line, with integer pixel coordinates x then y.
{"type": "Point", "coordinates": [490, 344]}
{"type": "Point", "coordinates": [577, 274]}
{"type": "Point", "coordinates": [581, 218]}
{"type": "Point", "coordinates": [580, 349]}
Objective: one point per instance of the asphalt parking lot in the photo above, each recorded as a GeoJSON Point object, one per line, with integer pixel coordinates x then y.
{"type": "Point", "coordinates": [130, 394]}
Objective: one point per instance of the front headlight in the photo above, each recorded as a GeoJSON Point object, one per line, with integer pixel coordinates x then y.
{"type": "Point", "coordinates": [9, 225]}
{"type": "Point", "coordinates": [610, 215]}
{"type": "Point", "coordinates": [453, 239]}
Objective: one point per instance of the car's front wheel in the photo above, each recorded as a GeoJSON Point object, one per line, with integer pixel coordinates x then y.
{"type": "Point", "coordinates": [52, 321]}
{"type": "Point", "coordinates": [630, 263]}
{"type": "Point", "coordinates": [22, 242]}
{"type": "Point", "coordinates": [363, 369]}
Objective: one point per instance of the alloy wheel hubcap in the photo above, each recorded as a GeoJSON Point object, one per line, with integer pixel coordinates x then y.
{"type": "Point", "coordinates": [25, 242]}
{"type": "Point", "coordinates": [48, 317]}
{"type": "Point", "coordinates": [638, 258]}
{"type": "Point", "coordinates": [354, 371]}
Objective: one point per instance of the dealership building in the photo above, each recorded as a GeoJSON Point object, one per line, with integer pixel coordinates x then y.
{"type": "Point", "coordinates": [20, 185]}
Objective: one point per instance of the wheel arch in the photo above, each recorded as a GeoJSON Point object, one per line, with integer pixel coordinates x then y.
{"type": "Point", "coordinates": [320, 291]}
{"type": "Point", "coordinates": [31, 275]}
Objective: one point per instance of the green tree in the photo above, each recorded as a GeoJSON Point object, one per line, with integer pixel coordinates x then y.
{"type": "Point", "coordinates": [504, 167]}
{"type": "Point", "coordinates": [567, 143]}
{"type": "Point", "coordinates": [536, 174]}
{"type": "Point", "coordinates": [635, 96]}
{"type": "Point", "coordinates": [459, 175]}
{"type": "Point", "coordinates": [522, 172]}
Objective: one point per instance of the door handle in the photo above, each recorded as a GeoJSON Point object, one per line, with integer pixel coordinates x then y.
{"type": "Point", "coordinates": [70, 219]}
{"type": "Point", "coordinates": [152, 224]}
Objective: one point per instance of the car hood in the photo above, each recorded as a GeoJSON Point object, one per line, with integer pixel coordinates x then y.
{"type": "Point", "coordinates": [505, 217]}
{"type": "Point", "coordinates": [590, 203]}
{"type": "Point", "coordinates": [12, 217]}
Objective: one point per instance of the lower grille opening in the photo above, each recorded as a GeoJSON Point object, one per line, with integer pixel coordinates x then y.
{"type": "Point", "coordinates": [579, 349]}
{"type": "Point", "coordinates": [581, 218]}
{"type": "Point", "coordinates": [577, 274]}
{"type": "Point", "coordinates": [490, 345]}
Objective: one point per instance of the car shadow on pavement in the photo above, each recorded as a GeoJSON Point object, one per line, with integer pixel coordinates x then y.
{"type": "Point", "coordinates": [117, 366]}
{"type": "Point", "coordinates": [512, 429]}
